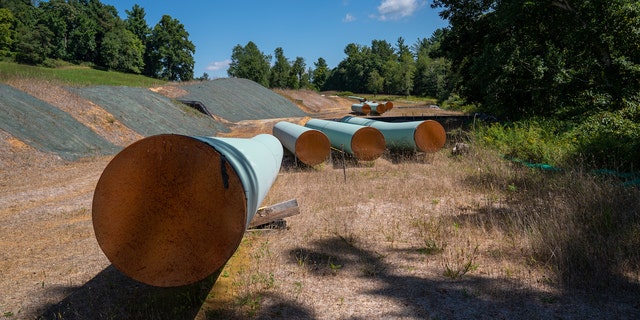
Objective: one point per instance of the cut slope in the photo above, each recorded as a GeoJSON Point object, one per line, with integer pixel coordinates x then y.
{"type": "Point", "coordinates": [240, 99]}
{"type": "Point", "coordinates": [150, 113]}
{"type": "Point", "coordinates": [83, 110]}
{"type": "Point", "coordinates": [48, 129]}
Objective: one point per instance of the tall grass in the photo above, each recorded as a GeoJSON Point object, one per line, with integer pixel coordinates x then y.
{"type": "Point", "coordinates": [75, 75]}
{"type": "Point", "coordinates": [443, 219]}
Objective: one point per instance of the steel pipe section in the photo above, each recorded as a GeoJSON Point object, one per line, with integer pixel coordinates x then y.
{"type": "Point", "coordinates": [310, 146]}
{"type": "Point", "coordinates": [170, 210]}
{"type": "Point", "coordinates": [365, 143]}
{"type": "Point", "coordinates": [425, 136]}
{"type": "Point", "coordinates": [376, 108]}
{"type": "Point", "coordinates": [360, 108]}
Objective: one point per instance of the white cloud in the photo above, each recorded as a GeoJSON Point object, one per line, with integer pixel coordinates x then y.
{"type": "Point", "coordinates": [218, 65]}
{"type": "Point", "coordinates": [398, 9]}
{"type": "Point", "coordinates": [349, 18]}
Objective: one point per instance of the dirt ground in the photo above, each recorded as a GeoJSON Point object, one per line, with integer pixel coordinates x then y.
{"type": "Point", "coordinates": [47, 245]}
{"type": "Point", "coordinates": [50, 260]}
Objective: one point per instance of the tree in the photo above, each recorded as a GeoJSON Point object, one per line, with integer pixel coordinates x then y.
{"type": "Point", "coordinates": [57, 16]}
{"type": "Point", "coordinates": [7, 33]}
{"type": "Point", "coordinates": [432, 75]}
{"type": "Point", "coordinates": [375, 83]}
{"type": "Point", "coordinates": [122, 51]}
{"type": "Point", "coordinates": [82, 45]}
{"type": "Point", "coordinates": [298, 77]}
{"type": "Point", "coordinates": [170, 51]}
{"type": "Point", "coordinates": [564, 58]}
{"type": "Point", "coordinates": [137, 24]}
{"type": "Point", "coordinates": [33, 45]}
{"type": "Point", "coordinates": [250, 63]}
{"type": "Point", "coordinates": [279, 74]}
{"type": "Point", "coordinates": [352, 72]}
{"type": "Point", "coordinates": [320, 73]}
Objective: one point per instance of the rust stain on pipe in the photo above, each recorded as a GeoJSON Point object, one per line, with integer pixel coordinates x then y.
{"type": "Point", "coordinates": [368, 144]}
{"type": "Point", "coordinates": [312, 147]}
{"type": "Point", "coordinates": [430, 136]}
{"type": "Point", "coordinates": [169, 210]}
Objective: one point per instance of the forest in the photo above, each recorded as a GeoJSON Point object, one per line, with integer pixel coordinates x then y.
{"type": "Point", "coordinates": [88, 31]}
{"type": "Point", "coordinates": [564, 74]}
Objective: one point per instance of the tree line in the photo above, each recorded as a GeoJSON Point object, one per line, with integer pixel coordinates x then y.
{"type": "Point", "coordinates": [549, 58]}
{"type": "Point", "coordinates": [379, 68]}
{"type": "Point", "coordinates": [88, 31]}
{"type": "Point", "coordinates": [511, 58]}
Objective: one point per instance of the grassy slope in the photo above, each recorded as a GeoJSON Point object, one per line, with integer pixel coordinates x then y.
{"type": "Point", "coordinates": [75, 75]}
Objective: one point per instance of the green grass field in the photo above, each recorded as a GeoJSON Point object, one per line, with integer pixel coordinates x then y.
{"type": "Point", "coordinates": [75, 75]}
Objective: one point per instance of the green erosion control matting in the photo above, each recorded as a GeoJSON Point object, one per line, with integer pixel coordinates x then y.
{"type": "Point", "coordinates": [47, 128]}
{"type": "Point", "coordinates": [149, 113]}
{"type": "Point", "coordinates": [240, 99]}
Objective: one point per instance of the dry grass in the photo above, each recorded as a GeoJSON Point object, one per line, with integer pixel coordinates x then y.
{"type": "Point", "coordinates": [438, 237]}
{"type": "Point", "coordinates": [442, 237]}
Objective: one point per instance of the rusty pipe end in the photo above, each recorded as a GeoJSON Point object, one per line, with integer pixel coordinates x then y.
{"type": "Point", "coordinates": [169, 211]}
{"type": "Point", "coordinates": [368, 144]}
{"type": "Point", "coordinates": [429, 136]}
{"type": "Point", "coordinates": [366, 109]}
{"type": "Point", "coordinates": [313, 147]}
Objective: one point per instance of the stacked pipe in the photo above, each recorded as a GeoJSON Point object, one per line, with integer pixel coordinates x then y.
{"type": "Point", "coordinates": [364, 143]}
{"type": "Point", "coordinates": [424, 136]}
{"type": "Point", "coordinates": [373, 108]}
{"type": "Point", "coordinates": [310, 146]}
{"type": "Point", "coordinates": [170, 210]}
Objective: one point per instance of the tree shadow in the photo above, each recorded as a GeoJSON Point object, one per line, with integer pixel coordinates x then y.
{"type": "Point", "coordinates": [113, 295]}
{"type": "Point", "coordinates": [586, 226]}
{"type": "Point", "coordinates": [469, 297]}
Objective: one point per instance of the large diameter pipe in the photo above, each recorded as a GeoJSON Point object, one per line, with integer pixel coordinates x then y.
{"type": "Point", "coordinates": [361, 108]}
{"type": "Point", "coordinates": [365, 143]}
{"type": "Point", "coordinates": [425, 136]}
{"type": "Point", "coordinates": [377, 108]}
{"type": "Point", "coordinates": [170, 210]}
{"type": "Point", "coordinates": [310, 146]}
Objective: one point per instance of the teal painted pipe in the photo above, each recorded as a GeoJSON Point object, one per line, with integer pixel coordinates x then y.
{"type": "Point", "coordinates": [170, 210]}
{"type": "Point", "coordinates": [425, 136]}
{"type": "Point", "coordinates": [376, 108]}
{"type": "Point", "coordinates": [310, 146]}
{"type": "Point", "coordinates": [365, 143]}
{"type": "Point", "coordinates": [360, 108]}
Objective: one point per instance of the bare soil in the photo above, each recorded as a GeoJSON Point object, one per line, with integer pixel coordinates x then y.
{"type": "Point", "coordinates": [51, 266]}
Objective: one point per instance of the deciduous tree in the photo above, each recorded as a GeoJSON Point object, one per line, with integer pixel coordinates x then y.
{"type": "Point", "coordinates": [170, 51]}
{"type": "Point", "coordinates": [250, 63]}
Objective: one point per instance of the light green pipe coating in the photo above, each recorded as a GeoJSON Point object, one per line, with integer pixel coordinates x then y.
{"type": "Point", "coordinates": [340, 134]}
{"type": "Point", "coordinates": [288, 134]}
{"type": "Point", "coordinates": [399, 135]}
{"type": "Point", "coordinates": [256, 161]}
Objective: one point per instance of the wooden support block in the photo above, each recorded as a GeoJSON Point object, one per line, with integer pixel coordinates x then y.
{"type": "Point", "coordinates": [275, 212]}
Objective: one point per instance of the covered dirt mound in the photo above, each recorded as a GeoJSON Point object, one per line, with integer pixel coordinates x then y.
{"type": "Point", "coordinates": [320, 104]}
{"type": "Point", "coordinates": [150, 113]}
{"type": "Point", "coordinates": [47, 128]}
{"type": "Point", "coordinates": [236, 100]}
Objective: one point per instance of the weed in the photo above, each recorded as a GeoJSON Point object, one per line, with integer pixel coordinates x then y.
{"type": "Point", "coordinates": [334, 267]}
{"type": "Point", "coordinates": [460, 263]}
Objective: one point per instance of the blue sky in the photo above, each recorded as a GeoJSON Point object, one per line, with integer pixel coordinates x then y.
{"type": "Point", "coordinates": [302, 28]}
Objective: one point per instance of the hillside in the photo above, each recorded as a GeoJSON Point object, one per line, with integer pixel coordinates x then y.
{"type": "Point", "coordinates": [402, 238]}
{"type": "Point", "coordinates": [74, 122]}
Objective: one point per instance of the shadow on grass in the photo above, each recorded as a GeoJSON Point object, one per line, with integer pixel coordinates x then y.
{"type": "Point", "coordinates": [470, 297]}
{"type": "Point", "coordinates": [112, 295]}
{"type": "Point", "coordinates": [584, 227]}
